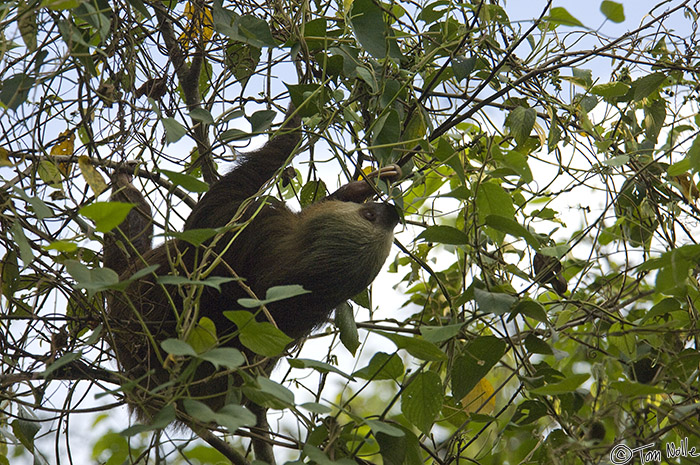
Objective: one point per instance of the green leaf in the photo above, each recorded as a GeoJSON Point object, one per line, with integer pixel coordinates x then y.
{"type": "Point", "coordinates": [536, 345]}
{"type": "Point", "coordinates": [693, 155]}
{"type": "Point", "coordinates": [276, 390]}
{"type": "Point", "coordinates": [633, 389]}
{"type": "Point", "coordinates": [260, 121]}
{"type": "Point", "coordinates": [10, 274]}
{"type": "Point", "coordinates": [580, 77]}
{"type": "Point", "coordinates": [242, 59]}
{"type": "Point", "coordinates": [672, 279]}
{"type": "Point", "coordinates": [444, 235]}
{"type": "Point", "coordinates": [382, 366]}
{"type": "Point", "coordinates": [494, 302]}
{"type": "Point", "coordinates": [431, 12]}
{"type": "Point", "coordinates": [371, 79]}
{"type": "Point", "coordinates": [663, 308]}
{"type": "Point", "coordinates": [416, 346]}
{"type": "Point", "coordinates": [50, 174]}
{"type": "Point", "coordinates": [386, 135]}
{"type": "Point", "coordinates": [646, 85]}
{"type": "Point", "coordinates": [445, 152]}
{"type": "Point", "coordinates": [26, 252]}
{"type": "Point", "coordinates": [518, 163]}
{"type": "Point", "coordinates": [223, 19]}
{"type": "Point", "coordinates": [654, 117]}
{"type": "Point", "coordinates": [474, 363]}
{"type": "Point", "coordinates": [201, 114]}
{"type": "Point", "coordinates": [62, 246]}
{"type": "Point", "coordinates": [421, 400]}
{"type": "Point", "coordinates": [367, 21]}
{"type": "Point", "coordinates": [241, 318]}
{"type": "Point", "coordinates": [211, 281]}
{"type": "Point", "coordinates": [492, 199]}
{"type": "Point", "coordinates": [27, 24]}
{"type": "Point", "coordinates": [529, 411]}
{"type": "Point", "coordinates": [317, 408]}
{"type": "Point", "coordinates": [231, 416]}
{"type": "Point", "coordinates": [234, 135]}
{"type": "Point", "coordinates": [312, 192]}
{"type": "Point", "coordinates": [559, 15]}
{"type": "Point", "coordinates": [41, 210]}
{"type": "Point", "coordinates": [173, 130]}
{"type": "Point", "coordinates": [187, 181]}
{"type": "Point", "coordinates": [683, 166]}
{"type": "Point", "coordinates": [122, 285]}
{"type": "Point", "coordinates": [140, 7]}
{"type": "Point", "coordinates": [254, 31]}
{"type": "Point", "coordinates": [178, 348]}
{"type": "Point", "coordinates": [555, 132]}
{"type": "Point", "coordinates": [619, 160]}
{"type": "Point", "coordinates": [64, 360]}
{"type": "Point", "coordinates": [203, 335]}
{"type": "Point", "coordinates": [91, 279]}
{"type": "Point", "coordinates": [345, 322]}
{"type": "Point", "coordinates": [15, 90]}
{"type": "Point", "coordinates": [227, 357]}
{"type": "Point", "coordinates": [113, 445]}
{"type": "Point", "coordinates": [404, 450]}
{"type": "Point", "coordinates": [261, 337]}
{"type": "Point", "coordinates": [266, 340]}
{"type": "Point", "coordinates": [567, 385]}
{"type": "Point", "coordinates": [462, 67]}
{"type": "Point", "coordinates": [621, 340]}
{"type": "Point", "coordinates": [611, 90]}
{"type": "Point", "coordinates": [316, 33]}
{"type": "Point", "coordinates": [530, 309]}
{"type": "Point", "coordinates": [614, 11]}
{"type": "Point", "coordinates": [512, 227]}
{"type": "Point", "coordinates": [438, 334]}
{"type": "Point", "coordinates": [521, 121]}
{"type": "Point", "coordinates": [274, 294]}
{"type": "Point", "coordinates": [381, 427]}
{"type": "Point", "coordinates": [318, 457]}
{"type": "Point", "coordinates": [106, 215]}
{"type": "Point", "coordinates": [309, 99]}
{"type": "Point", "coordinates": [196, 237]}
{"type": "Point", "coordinates": [318, 366]}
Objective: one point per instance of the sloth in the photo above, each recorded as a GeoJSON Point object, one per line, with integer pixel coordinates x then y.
{"type": "Point", "coordinates": [333, 248]}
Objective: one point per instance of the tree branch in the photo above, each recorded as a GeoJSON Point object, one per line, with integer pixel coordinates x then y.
{"type": "Point", "coordinates": [188, 75]}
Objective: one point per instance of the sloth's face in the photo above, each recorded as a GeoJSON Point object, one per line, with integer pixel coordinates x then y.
{"type": "Point", "coordinates": [342, 244]}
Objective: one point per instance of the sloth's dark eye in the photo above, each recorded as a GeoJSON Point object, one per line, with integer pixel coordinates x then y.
{"type": "Point", "coordinates": [369, 215]}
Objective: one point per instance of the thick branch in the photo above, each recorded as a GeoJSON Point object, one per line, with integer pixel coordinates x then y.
{"type": "Point", "coordinates": [261, 445]}
{"type": "Point", "coordinates": [188, 75]}
{"type": "Point", "coordinates": [222, 446]}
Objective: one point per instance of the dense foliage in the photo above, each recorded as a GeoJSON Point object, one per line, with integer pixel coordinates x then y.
{"type": "Point", "coordinates": [547, 271]}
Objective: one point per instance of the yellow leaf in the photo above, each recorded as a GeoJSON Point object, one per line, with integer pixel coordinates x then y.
{"type": "Point", "coordinates": [474, 400]}
{"type": "Point", "coordinates": [91, 175]}
{"type": "Point", "coordinates": [688, 188]}
{"type": "Point", "coordinates": [200, 24]}
{"type": "Point", "coordinates": [26, 22]}
{"type": "Point", "coordinates": [5, 157]}
{"type": "Point", "coordinates": [64, 147]}
{"type": "Point", "coordinates": [347, 4]}
{"type": "Point", "coordinates": [541, 134]}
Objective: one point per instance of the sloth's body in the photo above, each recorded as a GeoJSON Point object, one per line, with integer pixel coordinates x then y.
{"type": "Point", "coordinates": [334, 248]}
